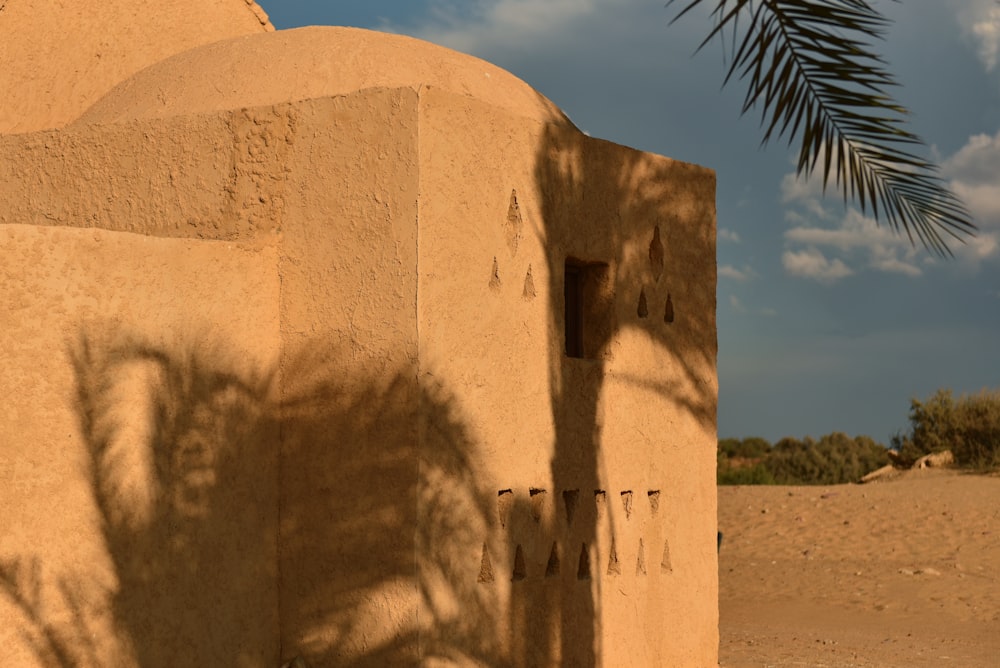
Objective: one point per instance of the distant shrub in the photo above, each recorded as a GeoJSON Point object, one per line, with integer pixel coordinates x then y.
{"type": "Point", "coordinates": [834, 459]}
{"type": "Point", "coordinates": [968, 426]}
{"type": "Point", "coordinates": [752, 475]}
{"type": "Point", "coordinates": [739, 461]}
{"type": "Point", "coordinates": [747, 448]}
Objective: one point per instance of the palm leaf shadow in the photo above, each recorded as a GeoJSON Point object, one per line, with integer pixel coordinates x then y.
{"type": "Point", "coordinates": [184, 466]}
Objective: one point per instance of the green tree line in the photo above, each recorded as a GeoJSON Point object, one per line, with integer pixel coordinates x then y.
{"type": "Point", "coordinates": [833, 459]}
{"type": "Point", "coordinates": [969, 426]}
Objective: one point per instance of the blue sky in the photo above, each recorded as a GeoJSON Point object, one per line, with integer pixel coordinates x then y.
{"type": "Point", "coordinates": [826, 322]}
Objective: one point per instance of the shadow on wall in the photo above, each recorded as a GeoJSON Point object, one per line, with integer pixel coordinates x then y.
{"type": "Point", "coordinates": [595, 198]}
{"type": "Point", "coordinates": [184, 468]}
{"type": "Point", "coordinates": [382, 525]}
{"type": "Point", "coordinates": [246, 523]}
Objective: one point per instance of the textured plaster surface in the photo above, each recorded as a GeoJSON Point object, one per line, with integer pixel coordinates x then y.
{"type": "Point", "coordinates": [349, 472]}
{"type": "Point", "coordinates": [121, 296]}
{"type": "Point", "coordinates": [631, 430]}
{"type": "Point", "coordinates": [57, 57]}
{"type": "Point", "coordinates": [290, 360]}
{"type": "Point", "coordinates": [318, 61]}
{"type": "Point", "coordinates": [190, 177]}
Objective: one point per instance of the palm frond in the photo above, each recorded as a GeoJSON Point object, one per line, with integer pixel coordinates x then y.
{"type": "Point", "coordinates": [811, 72]}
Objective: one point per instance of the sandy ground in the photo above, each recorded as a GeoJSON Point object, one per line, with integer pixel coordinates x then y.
{"type": "Point", "coordinates": [898, 573]}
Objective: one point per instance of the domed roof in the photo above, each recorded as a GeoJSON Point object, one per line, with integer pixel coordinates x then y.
{"type": "Point", "coordinates": [58, 58]}
{"type": "Point", "coordinates": [305, 63]}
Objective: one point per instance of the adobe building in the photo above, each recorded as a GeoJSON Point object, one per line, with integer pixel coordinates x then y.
{"type": "Point", "coordinates": [341, 345]}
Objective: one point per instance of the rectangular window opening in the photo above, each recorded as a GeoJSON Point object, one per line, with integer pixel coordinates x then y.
{"type": "Point", "coordinates": [573, 288]}
{"type": "Point", "coordinates": [588, 308]}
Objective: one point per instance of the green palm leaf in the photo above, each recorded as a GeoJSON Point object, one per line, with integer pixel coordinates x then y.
{"type": "Point", "coordinates": [812, 74]}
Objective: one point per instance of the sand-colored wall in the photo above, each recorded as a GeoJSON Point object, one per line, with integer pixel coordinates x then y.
{"type": "Point", "coordinates": [313, 284]}
{"type": "Point", "coordinates": [502, 197]}
{"type": "Point", "coordinates": [59, 57]}
{"type": "Point", "coordinates": [140, 378]}
{"type": "Point", "coordinates": [349, 471]}
{"type": "Point", "coordinates": [202, 177]}
{"type": "Point", "coordinates": [304, 63]}
{"type": "Point", "coordinates": [138, 461]}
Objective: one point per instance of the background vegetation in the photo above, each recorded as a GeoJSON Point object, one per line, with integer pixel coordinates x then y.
{"type": "Point", "coordinates": [833, 459]}
{"type": "Point", "coordinates": [969, 426]}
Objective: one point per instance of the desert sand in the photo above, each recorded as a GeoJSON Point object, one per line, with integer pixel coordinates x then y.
{"type": "Point", "coordinates": [898, 573]}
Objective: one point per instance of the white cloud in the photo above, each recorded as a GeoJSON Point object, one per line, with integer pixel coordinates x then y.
{"type": "Point", "coordinates": [726, 234]}
{"type": "Point", "coordinates": [811, 263]}
{"type": "Point", "coordinates": [983, 199]}
{"type": "Point", "coordinates": [980, 157]}
{"type": "Point", "coordinates": [892, 265]}
{"type": "Point", "coordinates": [855, 231]}
{"type": "Point", "coordinates": [974, 174]}
{"type": "Point", "coordinates": [806, 193]}
{"type": "Point", "coordinates": [984, 246]}
{"type": "Point", "coordinates": [478, 27]}
{"type": "Point", "coordinates": [737, 304]}
{"type": "Point", "coordinates": [980, 22]}
{"type": "Point", "coordinates": [856, 238]}
{"type": "Point", "coordinates": [741, 275]}
{"type": "Point", "coordinates": [823, 224]}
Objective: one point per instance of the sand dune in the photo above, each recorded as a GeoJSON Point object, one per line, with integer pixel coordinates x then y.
{"type": "Point", "coordinates": [898, 573]}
